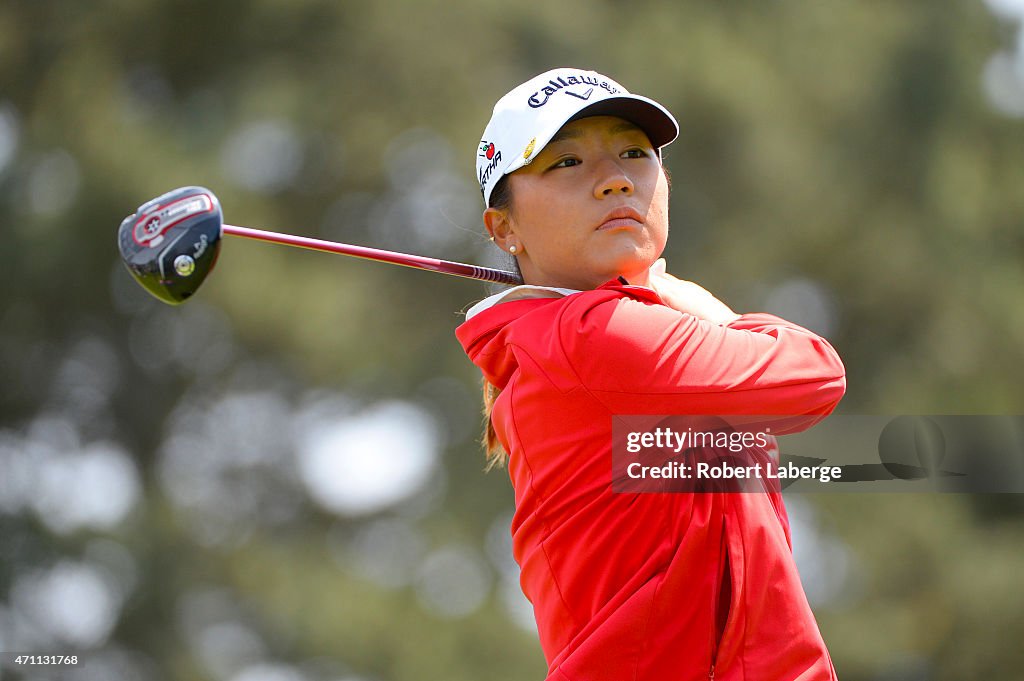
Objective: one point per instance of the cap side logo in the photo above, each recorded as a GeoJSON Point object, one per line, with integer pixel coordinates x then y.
{"type": "Point", "coordinates": [492, 156]}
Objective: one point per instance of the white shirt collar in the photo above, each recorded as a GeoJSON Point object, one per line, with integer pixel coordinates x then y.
{"type": "Point", "coordinates": [518, 293]}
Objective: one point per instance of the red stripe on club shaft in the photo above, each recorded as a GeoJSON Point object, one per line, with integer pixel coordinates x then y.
{"type": "Point", "coordinates": [415, 261]}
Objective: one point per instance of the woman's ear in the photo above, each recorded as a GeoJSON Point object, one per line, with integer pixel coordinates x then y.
{"type": "Point", "coordinates": [499, 226]}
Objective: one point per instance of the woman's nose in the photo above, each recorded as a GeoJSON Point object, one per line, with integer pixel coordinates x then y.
{"type": "Point", "coordinates": [613, 180]}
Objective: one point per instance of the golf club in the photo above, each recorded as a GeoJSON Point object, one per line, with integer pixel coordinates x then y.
{"type": "Point", "coordinates": [170, 245]}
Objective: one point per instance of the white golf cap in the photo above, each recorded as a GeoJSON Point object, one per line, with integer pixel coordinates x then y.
{"type": "Point", "coordinates": [526, 119]}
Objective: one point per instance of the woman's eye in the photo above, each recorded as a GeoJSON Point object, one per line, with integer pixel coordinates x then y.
{"type": "Point", "coordinates": [635, 153]}
{"type": "Point", "coordinates": [567, 162]}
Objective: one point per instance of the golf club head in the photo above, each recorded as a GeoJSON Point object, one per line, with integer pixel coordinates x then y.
{"type": "Point", "coordinates": [171, 243]}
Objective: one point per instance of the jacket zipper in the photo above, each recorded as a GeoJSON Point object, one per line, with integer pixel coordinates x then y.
{"type": "Point", "coordinates": [716, 630]}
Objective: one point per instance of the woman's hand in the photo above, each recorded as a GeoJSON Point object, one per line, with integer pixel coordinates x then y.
{"type": "Point", "coordinates": [686, 296]}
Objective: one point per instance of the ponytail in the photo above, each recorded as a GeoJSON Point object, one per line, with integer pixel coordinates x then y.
{"type": "Point", "coordinates": [501, 198]}
{"type": "Point", "coordinates": [496, 454]}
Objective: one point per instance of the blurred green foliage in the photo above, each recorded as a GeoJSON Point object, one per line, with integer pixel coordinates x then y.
{"type": "Point", "coordinates": [849, 144]}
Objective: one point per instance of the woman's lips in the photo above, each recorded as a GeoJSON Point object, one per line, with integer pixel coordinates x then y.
{"type": "Point", "coordinates": [621, 218]}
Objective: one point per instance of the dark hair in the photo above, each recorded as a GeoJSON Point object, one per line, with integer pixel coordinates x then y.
{"type": "Point", "coordinates": [501, 195]}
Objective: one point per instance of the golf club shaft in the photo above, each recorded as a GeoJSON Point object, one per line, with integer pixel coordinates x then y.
{"type": "Point", "coordinates": [416, 261]}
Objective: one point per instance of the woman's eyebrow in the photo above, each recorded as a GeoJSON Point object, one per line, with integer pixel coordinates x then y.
{"type": "Point", "coordinates": [564, 134]}
{"type": "Point", "coordinates": [625, 126]}
{"type": "Point", "coordinates": [574, 133]}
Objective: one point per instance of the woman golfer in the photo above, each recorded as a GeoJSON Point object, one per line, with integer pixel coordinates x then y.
{"type": "Point", "coordinates": [630, 586]}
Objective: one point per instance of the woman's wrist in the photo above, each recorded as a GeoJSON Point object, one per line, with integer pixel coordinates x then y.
{"type": "Point", "coordinates": [688, 297]}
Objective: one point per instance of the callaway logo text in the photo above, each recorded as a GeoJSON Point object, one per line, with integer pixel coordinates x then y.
{"type": "Point", "coordinates": [541, 97]}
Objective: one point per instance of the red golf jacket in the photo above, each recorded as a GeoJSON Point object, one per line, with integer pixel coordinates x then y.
{"type": "Point", "coordinates": [649, 587]}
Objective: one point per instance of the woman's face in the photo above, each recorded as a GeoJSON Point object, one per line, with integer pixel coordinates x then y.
{"type": "Point", "coordinates": [592, 206]}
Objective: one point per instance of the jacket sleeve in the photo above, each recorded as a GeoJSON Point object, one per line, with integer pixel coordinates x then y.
{"type": "Point", "coordinates": [642, 358]}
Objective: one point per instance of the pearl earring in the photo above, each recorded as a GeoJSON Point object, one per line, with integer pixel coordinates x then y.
{"type": "Point", "coordinates": [512, 249]}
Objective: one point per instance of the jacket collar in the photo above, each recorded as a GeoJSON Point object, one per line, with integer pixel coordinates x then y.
{"type": "Point", "coordinates": [518, 293]}
{"type": "Point", "coordinates": [490, 326]}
